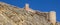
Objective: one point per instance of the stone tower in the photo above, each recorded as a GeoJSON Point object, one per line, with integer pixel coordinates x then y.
{"type": "Point", "coordinates": [27, 6]}
{"type": "Point", "coordinates": [28, 9]}
{"type": "Point", "coordinates": [53, 17]}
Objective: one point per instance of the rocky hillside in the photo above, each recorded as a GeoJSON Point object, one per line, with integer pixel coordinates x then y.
{"type": "Point", "coordinates": [12, 15]}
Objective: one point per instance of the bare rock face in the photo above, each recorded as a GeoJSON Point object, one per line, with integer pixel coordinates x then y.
{"type": "Point", "coordinates": [12, 15]}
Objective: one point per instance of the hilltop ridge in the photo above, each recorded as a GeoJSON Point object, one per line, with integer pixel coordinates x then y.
{"type": "Point", "coordinates": [12, 15]}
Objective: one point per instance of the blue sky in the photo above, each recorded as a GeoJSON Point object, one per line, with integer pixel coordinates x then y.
{"type": "Point", "coordinates": [41, 5]}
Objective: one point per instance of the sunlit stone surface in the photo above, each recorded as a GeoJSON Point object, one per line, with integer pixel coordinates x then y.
{"type": "Point", "coordinates": [12, 15]}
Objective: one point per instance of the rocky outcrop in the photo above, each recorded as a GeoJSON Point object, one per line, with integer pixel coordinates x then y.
{"type": "Point", "coordinates": [12, 15]}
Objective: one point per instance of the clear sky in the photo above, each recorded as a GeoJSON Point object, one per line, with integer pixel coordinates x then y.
{"type": "Point", "coordinates": [41, 5]}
